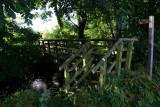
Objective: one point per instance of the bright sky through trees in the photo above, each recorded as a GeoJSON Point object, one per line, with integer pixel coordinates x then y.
{"type": "Point", "coordinates": [40, 25]}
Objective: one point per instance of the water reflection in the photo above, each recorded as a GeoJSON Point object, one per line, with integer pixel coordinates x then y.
{"type": "Point", "coordinates": [39, 85]}
{"type": "Point", "coordinates": [43, 85]}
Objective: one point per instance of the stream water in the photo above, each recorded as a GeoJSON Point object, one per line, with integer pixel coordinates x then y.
{"type": "Point", "coordinates": [45, 77]}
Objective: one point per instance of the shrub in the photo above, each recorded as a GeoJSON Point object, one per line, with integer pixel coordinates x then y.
{"type": "Point", "coordinates": [130, 89]}
{"type": "Point", "coordinates": [27, 98]}
{"type": "Point", "coordinates": [31, 98]}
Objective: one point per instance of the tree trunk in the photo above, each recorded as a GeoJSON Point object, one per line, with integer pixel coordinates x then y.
{"type": "Point", "coordinates": [82, 19]}
{"type": "Point", "coordinates": [60, 24]}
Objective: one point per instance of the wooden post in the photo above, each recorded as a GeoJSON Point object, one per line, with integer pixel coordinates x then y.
{"type": "Point", "coordinates": [119, 58]}
{"type": "Point", "coordinates": [49, 48]}
{"type": "Point", "coordinates": [66, 77]}
{"type": "Point", "coordinates": [39, 42]}
{"type": "Point", "coordinates": [85, 60]}
{"type": "Point", "coordinates": [55, 48]}
{"type": "Point", "coordinates": [68, 46]}
{"type": "Point", "coordinates": [103, 73]}
{"type": "Point", "coordinates": [55, 51]}
{"type": "Point", "coordinates": [150, 42]}
{"type": "Point", "coordinates": [101, 76]}
{"type": "Point", "coordinates": [44, 48]}
{"type": "Point", "coordinates": [129, 55]}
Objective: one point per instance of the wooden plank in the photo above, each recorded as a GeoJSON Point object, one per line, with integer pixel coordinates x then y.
{"type": "Point", "coordinates": [79, 61]}
{"type": "Point", "coordinates": [119, 59]}
{"type": "Point", "coordinates": [78, 73]}
{"type": "Point", "coordinates": [129, 56]}
{"type": "Point", "coordinates": [81, 79]}
{"type": "Point", "coordinates": [72, 57]}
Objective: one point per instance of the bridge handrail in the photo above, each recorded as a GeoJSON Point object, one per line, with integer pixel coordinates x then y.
{"type": "Point", "coordinates": [104, 59]}
{"type": "Point", "coordinates": [77, 40]}
{"type": "Point", "coordinates": [68, 61]}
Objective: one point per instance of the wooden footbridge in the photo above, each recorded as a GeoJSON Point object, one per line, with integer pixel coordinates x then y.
{"type": "Point", "coordinates": [81, 58]}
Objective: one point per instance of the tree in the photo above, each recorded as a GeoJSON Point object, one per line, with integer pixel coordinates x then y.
{"type": "Point", "coordinates": [84, 9]}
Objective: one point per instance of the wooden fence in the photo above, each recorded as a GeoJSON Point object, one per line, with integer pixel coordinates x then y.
{"type": "Point", "coordinates": [94, 56]}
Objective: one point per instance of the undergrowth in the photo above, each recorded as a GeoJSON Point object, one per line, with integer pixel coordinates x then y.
{"type": "Point", "coordinates": [132, 88]}
{"type": "Point", "coordinates": [32, 98]}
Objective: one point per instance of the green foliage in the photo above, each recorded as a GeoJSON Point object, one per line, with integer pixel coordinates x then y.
{"type": "Point", "coordinates": [31, 98]}
{"type": "Point", "coordinates": [68, 32]}
{"type": "Point", "coordinates": [130, 89]}
{"type": "Point", "coordinates": [140, 54]}
{"type": "Point", "coordinates": [139, 88]}
{"type": "Point", "coordinates": [17, 51]}
{"type": "Point", "coordinates": [59, 101]}
{"type": "Point", "coordinates": [98, 28]}
{"type": "Point", "coordinates": [16, 61]}
{"type": "Point", "coordinates": [26, 98]}
{"type": "Point", "coordinates": [110, 96]}
{"type": "Point", "coordinates": [10, 7]}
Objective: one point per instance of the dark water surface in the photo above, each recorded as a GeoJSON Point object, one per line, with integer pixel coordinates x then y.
{"type": "Point", "coordinates": [44, 75]}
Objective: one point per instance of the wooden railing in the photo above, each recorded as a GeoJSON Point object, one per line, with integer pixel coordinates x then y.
{"type": "Point", "coordinates": [119, 48]}
{"type": "Point", "coordinates": [93, 56]}
{"type": "Point", "coordinates": [62, 48]}
{"type": "Point", "coordinates": [85, 52]}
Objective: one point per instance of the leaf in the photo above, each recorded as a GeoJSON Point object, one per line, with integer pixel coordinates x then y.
{"type": "Point", "coordinates": [139, 103]}
{"type": "Point", "coordinates": [10, 12]}
{"type": "Point", "coordinates": [14, 9]}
